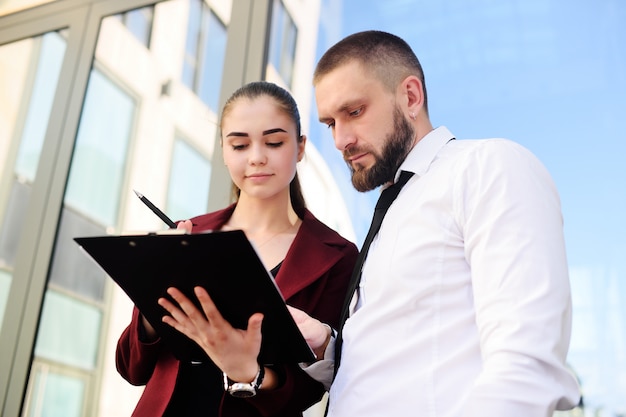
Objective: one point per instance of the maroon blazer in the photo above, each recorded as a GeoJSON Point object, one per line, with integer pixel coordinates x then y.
{"type": "Point", "coordinates": [313, 277]}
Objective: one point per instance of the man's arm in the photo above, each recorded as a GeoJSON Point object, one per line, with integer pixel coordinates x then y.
{"type": "Point", "coordinates": [514, 243]}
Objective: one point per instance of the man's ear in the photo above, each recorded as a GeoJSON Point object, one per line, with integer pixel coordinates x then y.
{"type": "Point", "coordinates": [413, 91]}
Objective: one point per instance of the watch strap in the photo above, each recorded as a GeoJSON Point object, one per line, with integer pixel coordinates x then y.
{"type": "Point", "coordinates": [244, 389]}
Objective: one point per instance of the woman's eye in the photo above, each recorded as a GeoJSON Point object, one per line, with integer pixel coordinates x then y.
{"type": "Point", "coordinates": [238, 147]}
{"type": "Point", "coordinates": [330, 125]}
{"type": "Point", "coordinates": [275, 144]}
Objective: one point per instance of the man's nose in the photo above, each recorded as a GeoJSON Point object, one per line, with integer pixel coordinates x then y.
{"type": "Point", "coordinates": [344, 136]}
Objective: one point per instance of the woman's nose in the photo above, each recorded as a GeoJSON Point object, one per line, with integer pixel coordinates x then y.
{"type": "Point", "coordinates": [257, 156]}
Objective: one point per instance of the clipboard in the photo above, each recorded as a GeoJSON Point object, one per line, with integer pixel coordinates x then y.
{"type": "Point", "coordinates": [225, 263]}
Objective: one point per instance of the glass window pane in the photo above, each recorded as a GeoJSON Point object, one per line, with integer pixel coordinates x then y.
{"type": "Point", "coordinates": [190, 62]}
{"type": "Point", "coordinates": [213, 62]}
{"type": "Point", "coordinates": [188, 191]}
{"type": "Point", "coordinates": [29, 73]}
{"type": "Point", "coordinates": [282, 42]}
{"type": "Point", "coordinates": [101, 148]}
{"type": "Point", "coordinates": [276, 34]}
{"type": "Point", "coordinates": [289, 51]}
{"type": "Point", "coordinates": [52, 49]}
{"type": "Point", "coordinates": [69, 331]}
{"type": "Point", "coordinates": [56, 395]}
{"type": "Point", "coordinates": [139, 22]}
{"type": "Point", "coordinates": [71, 269]}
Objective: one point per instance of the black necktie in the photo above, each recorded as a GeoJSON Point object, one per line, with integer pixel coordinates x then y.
{"type": "Point", "coordinates": [384, 202]}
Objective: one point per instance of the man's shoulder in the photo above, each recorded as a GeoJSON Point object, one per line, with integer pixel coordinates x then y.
{"type": "Point", "coordinates": [491, 147]}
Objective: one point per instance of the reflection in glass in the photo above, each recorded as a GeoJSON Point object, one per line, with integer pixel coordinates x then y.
{"type": "Point", "coordinates": [139, 23]}
{"type": "Point", "coordinates": [52, 49]}
{"type": "Point", "coordinates": [30, 73]}
{"type": "Point", "coordinates": [71, 269]}
{"type": "Point", "coordinates": [127, 138]}
{"type": "Point", "coordinates": [100, 154]}
{"type": "Point", "coordinates": [68, 331]}
{"type": "Point", "coordinates": [55, 395]}
{"type": "Point", "coordinates": [205, 49]}
{"type": "Point", "coordinates": [212, 60]}
{"type": "Point", "coordinates": [188, 191]}
{"type": "Point", "coordinates": [283, 41]}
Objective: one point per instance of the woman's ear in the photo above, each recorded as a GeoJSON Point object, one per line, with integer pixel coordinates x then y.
{"type": "Point", "coordinates": [301, 146]}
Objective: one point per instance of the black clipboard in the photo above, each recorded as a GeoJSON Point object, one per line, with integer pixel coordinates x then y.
{"type": "Point", "coordinates": [224, 263]}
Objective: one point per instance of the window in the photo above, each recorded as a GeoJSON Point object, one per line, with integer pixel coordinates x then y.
{"type": "Point", "coordinates": [95, 179]}
{"type": "Point", "coordinates": [188, 191]}
{"type": "Point", "coordinates": [283, 41]}
{"type": "Point", "coordinates": [139, 22]}
{"type": "Point", "coordinates": [204, 53]}
{"type": "Point", "coordinates": [66, 357]}
{"type": "Point", "coordinates": [44, 88]}
{"type": "Point", "coordinates": [31, 69]}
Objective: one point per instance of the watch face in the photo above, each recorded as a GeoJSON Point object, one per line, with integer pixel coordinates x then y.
{"type": "Point", "coordinates": [242, 390]}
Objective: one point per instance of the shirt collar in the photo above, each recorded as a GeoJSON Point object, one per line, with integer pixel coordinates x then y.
{"type": "Point", "coordinates": [425, 151]}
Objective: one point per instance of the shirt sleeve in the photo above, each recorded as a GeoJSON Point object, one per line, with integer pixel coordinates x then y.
{"type": "Point", "coordinates": [510, 213]}
{"type": "Point", "coordinates": [322, 370]}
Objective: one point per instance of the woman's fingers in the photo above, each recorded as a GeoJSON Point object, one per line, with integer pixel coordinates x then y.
{"type": "Point", "coordinates": [208, 307]}
{"type": "Point", "coordinates": [233, 350]}
{"type": "Point", "coordinates": [185, 225]}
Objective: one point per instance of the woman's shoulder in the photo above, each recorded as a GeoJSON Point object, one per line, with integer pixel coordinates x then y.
{"type": "Point", "coordinates": [320, 230]}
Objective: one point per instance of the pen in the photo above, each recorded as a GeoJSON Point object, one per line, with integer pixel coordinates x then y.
{"type": "Point", "coordinates": [156, 210]}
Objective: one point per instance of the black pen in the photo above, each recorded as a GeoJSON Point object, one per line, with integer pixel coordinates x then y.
{"type": "Point", "coordinates": [156, 210]}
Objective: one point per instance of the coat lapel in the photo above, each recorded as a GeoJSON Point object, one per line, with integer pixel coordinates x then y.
{"type": "Point", "coordinates": [313, 252]}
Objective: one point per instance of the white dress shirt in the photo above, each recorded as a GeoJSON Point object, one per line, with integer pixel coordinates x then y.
{"type": "Point", "coordinates": [464, 304]}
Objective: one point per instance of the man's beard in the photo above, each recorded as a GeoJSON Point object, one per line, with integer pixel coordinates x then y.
{"type": "Point", "coordinates": [397, 146]}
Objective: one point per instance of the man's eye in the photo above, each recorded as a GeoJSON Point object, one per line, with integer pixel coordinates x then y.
{"type": "Point", "coordinates": [356, 112]}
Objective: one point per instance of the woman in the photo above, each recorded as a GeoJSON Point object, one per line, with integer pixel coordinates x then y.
{"type": "Point", "coordinates": [261, 146]}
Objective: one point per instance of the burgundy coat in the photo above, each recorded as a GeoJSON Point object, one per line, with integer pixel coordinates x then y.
{"type": "Point", "coordinates": [313, 277]}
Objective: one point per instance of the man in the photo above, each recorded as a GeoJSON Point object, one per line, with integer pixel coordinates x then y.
{"type": "Point", "coordinates": [463, 306]}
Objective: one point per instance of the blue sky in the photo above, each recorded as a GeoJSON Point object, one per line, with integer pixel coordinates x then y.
{"type": "Point", "coordinates": [550, 75]}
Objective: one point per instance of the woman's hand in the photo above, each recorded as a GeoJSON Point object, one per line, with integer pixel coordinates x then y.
{"type": "Point", "coordinates": [316, 333]}
{"type": "Point", "coordinates": [185, 225]}
{"type": "Point", "coordinates": [234, 351]}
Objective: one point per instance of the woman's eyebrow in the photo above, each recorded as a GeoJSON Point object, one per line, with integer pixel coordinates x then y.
{"type": "Point", "coordinates": [236, 134]}
{"type": "Point", "coordinates": [265, 132]}
{"type": "Point", "coordinates": [276, 130]}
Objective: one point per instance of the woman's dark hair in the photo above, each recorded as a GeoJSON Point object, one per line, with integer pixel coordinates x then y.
{"type": "Point", "coordinates": [289, 107]}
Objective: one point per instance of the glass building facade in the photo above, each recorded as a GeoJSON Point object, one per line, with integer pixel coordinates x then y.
{"type": "Point", "coordinates": [99, 98]}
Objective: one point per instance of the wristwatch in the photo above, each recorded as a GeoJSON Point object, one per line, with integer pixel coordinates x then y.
{"type": "Point", "coordinates": [244, 389]}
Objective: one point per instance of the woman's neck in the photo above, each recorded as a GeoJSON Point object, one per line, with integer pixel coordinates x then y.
{"type": "Point", "coordinates": [257, 217]}
{"type": "Point", "coordinates": [270, 226]}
